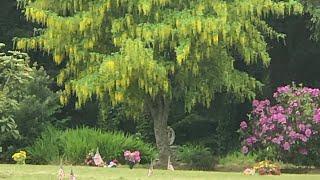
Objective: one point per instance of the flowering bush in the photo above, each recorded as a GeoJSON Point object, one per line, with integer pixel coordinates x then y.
{"type": "Point", "coordinates": [267, 168]}
{"type": "Point", "coordinates": [89, 159]}
{"type": "Point", "coordinates": [20, 157]}
{"type": "Point", "coordinates": [132, 157]}
{"type": "Point", "coordinates": [249, 171]}
{"type": "Point", "coordinates": [94, 159]}
{"type": "Point", "coordinates": [289, 129]}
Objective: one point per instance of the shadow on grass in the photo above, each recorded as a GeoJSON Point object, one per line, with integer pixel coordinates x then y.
{"type": "Point", "coordinates": [293, 170]}
{"type": "Point", "coordinates": [301, 171]}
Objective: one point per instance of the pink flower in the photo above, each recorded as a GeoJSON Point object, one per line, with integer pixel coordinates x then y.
{"type": "Point", "coordinates": [255, 103]}
{"type": "Point", "coordinates": [293, 135]}
{"type": "Point", "coordinates": [315, 92]}
{"type": "Point", "coordinates": [136, 156]}
{"type": "Point", "coordinates": [127, 153]}
{"type": "Point", "coordinates": [301, 127]}
{"type": "Point", "coordinates": [303, 151]}
{"type": "Point", "coordinates": [264, 128]}
{"type": "Point", "coordinates": [267, 102]}
{"type": "Point", "coordinates": [280, 137]}
{"type": "Point", "coordinates": [272, 127]}
{"type": "Point", "coordinates": [251, 140]}
{"type": "Point", "coordinates": [263, 120]}
{"type": "Point", "coordinates": [137, 153]}
{"type": "Point", "coordinates": [279, 117]}
{"type": "Point", "coordinates": [286, 146]}
{"type": "Point", "coordinates": [245, 150]}
{"type": "Point", "coordinates": [308, 132]}
{"type": "Point", "coordinates": [276, 140]}
{"type": "Point", "coordinates": [132, 157]}
{"type": "Point", "coordinates": [243, 125]}
{"type": "Point", "coordinates": [280, 109]}
{"type": "Point", "coordinates": [303, 138]}
{"type": "Point", "coordinates": [312, 92]}
{"type": "Point", "coordinates": [268, 138]}
{"type": "Point", "coordinates": [284, 89]}
{"type": "Point", "coordinates": [316, 116]}
{"type": "Point", "coordinates": [294, 104]}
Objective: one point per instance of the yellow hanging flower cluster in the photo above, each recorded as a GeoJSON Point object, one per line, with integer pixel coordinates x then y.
{"type": "Point", "coordinates": [36, 15]}
{"type": "Point", "coordinates": [85, 23]}
{"type": "Point", "coordinates": [58, 58]}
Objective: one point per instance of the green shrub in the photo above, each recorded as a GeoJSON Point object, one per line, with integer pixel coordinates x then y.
{"type": "Point", "coordinates": [198, 157]}
{"type": "Point", "coordinates": [74, 144]}
{"type": "Point", "coordinates": [46, 148]}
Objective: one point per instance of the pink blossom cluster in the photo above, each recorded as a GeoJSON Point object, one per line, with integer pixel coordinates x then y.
{"type": "Point", "coordinates": [314, 92]}
{"type": "Point", "coordinates": [289, 125]}
{"type": "Point", "coordinates": [132, 156]}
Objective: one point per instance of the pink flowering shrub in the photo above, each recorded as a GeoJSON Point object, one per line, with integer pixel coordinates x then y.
{"type": "Point", "coordinates": [289, 128]}
{"type": "Point", "coordinates": [132, 157]}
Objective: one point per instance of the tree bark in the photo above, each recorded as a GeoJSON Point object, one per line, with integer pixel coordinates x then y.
{"type": "Point", "coordinates": [159, 109]}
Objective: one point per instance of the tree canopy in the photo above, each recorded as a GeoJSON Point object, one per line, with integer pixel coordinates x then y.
{"type": "Point", "coordinates": [125, 48]}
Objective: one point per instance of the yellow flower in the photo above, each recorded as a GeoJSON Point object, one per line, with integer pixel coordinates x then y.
{"type": "Point", "coordinates": [23, 152]}
{"type": "Point", "coordinates": [19, 157]}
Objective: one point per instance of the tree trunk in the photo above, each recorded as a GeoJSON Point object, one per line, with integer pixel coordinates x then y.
{"type": "Point", "coordinates": [159, 109]}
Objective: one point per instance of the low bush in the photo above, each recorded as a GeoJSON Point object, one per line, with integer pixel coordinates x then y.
{"type": "Point", "coordinates": [196, 156]}
{"type": "Point", "coordinates": [73, 145]}
{"type": "Point", "coordinates": [238, 160]}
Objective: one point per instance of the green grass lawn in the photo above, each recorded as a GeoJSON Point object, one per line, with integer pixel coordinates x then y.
{"type": "Point", "coordinates": [31, 172]}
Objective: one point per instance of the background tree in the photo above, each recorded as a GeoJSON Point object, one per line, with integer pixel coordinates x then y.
{"type": "Point", "coordinates": [45, 109]}
{"type": "Point", "coordinates": [313, 9]}
{"type": "Point", "coordinates": [27, 105]}
{"type": "Point", "coordinates": [144, 54]}
{"type": "Point", "coordinates": [14, 72]}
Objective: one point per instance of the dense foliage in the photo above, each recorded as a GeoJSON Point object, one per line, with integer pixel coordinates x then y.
{"type": "Point", "coordinates": [73, 145]}
{"type": "Point", "coordinates": [313, 8]}
{"type": "Point", "coordinates": [26, 102]}
{"type": "Point", "coordinates": [197, 157]}
{"type": "Point", "coordinates": [32, 120]}
{"type": "Point", "coordinates": [287, 130]}
{"type": "Point", "coordinates": [14, 73]}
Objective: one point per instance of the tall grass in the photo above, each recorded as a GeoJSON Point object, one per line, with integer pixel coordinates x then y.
{"type": "Point", "coordinates": [238, 159]}
{"type": "Point", "coordinates": [74, 144]}
{"type": "Point", "coordinates": [46, 149]}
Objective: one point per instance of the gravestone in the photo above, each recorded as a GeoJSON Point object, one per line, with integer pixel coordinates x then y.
{"type": "Point", "coordinates": [171, 135]}
{"type": "Point", "coordinates": [173, 148]}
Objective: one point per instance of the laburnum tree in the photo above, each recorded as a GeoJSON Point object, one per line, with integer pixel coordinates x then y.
{"type": "Point", "coordinates": [146, 53]}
